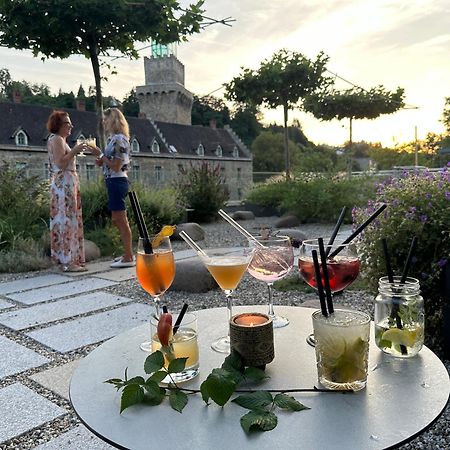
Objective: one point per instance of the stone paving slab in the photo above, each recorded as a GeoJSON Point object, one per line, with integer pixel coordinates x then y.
{"type": "Point", "coordinates": [32, 283]}
{"type": "Point", "coordinates": [77, 333]}
{"type": "Point", "coordinates": [92, 267]}
{"type": "Point", "coordinates": [62, 309]}
{"type": "Point", "coordinates": [23, 409]}
{"type": "Point", "coordinates": [57, 379]}
{"type": "Point", "coordinates": [79, 438]}
{"type": "Point", "coordinates": [124, 274]}
{"type": "Point", "coordinates": [4, 304]}
{"type": "Point", "coordinates": [61, 290]}
{"type": "Point", "coordinates": [16, 358]}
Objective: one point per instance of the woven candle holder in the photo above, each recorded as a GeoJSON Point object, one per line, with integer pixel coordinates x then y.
{"type": "Point", "coordinates": [251, 335]}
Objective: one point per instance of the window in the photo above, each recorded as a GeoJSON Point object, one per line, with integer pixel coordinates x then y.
{"type": "Point", "coordinates": [135, 145]}
{"type": "Point", "coordinates": [135, 172]}
{"type": "Point", "coordinates": [235, 152]}
{"type": "Point", "coordinates": [180, 167]}
{"type": "Point", "coordinates": [91, 174]}
{"type": "Point", "coordinates": [46, 171]}
{"type": "Point", "coordinates": [172, 149]}
{"type": "Point", "coordinates": [159, 175]}
{"type": "Point", "coordinates": [218, 150]}
{"type": "Point", "coordinates": [222, 172]}
{"type": "Point", "coordinates": [21, 165]}
{"type": "Point", "coordinates": [239, 173]}
{"type": "Point", "coordinates": [155, 146]}
{"type": "Point", "coordinates": [21, 138]}
{"type": "Point", "coordinates": [200, 150]}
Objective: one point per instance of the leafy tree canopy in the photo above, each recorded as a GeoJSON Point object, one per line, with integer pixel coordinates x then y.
{"type": "Point", "coordinates": [207, 108]}
{"type": "Point", "coordinates": [446, 115]}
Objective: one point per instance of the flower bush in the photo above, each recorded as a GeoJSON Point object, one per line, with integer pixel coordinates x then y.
{"type": "Point", "coordinates": [418, 205]}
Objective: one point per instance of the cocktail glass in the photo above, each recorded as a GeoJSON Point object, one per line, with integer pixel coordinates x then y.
{"type": "Point", "coordinates": [227, 266]}
{"type": "Point", "coordinates": [272, 261]}
{"type": "Point", "coordinates": [183, 345]}
{"type": "Point", "coordinates": [343, 267]}
{"type": "Point", "coordinates": [155, 272]}
{"type": "Point", "coordinates": [342, 349]}
{"type": "Point", "coordinates": [81, 141]}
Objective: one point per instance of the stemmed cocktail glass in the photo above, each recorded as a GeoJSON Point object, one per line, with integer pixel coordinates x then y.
{"type": "Point", "coordinates": [273, 260]}
{"type": "Point", "coordinates": [342, 264]}
{"type": "Point", "coordinates": [155, 271]}
{"type": "Point", "coordinates": [227, 266]}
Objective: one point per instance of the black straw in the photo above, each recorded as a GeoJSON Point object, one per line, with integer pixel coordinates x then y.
{"type": "Point", "coordinates": [360, 228]}
{"type": "Point", "coordinates": [165, 310]}
{"type": "Point", "coordinates": [323, 305]}
{"type": "Point", "coordinates": [387, 261]}
{"type": "Point", "coordinates": [139, 218]}
{"type": "Point", "coordinates": [412, 249]}
{"type": "Point", "coordinates": [336, 229]}
{"type": "Point", "coordinates": [326, 277]}
{"type": "Point", "coordinates": [180, 318]}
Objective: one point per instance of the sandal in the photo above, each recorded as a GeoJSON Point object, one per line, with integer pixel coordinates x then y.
{"type": "Point", "coordinates": [74, 268]}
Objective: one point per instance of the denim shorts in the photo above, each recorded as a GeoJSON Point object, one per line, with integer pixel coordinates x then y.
{"type": "Point", "coordinates": [117, 192]}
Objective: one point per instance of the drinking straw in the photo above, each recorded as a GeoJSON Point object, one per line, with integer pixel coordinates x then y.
{"type": "Point", "coordinates": [238, 227]}
{"type": "Point", "coordinates": [180, 318]}
{"type": "Point", "coordinates": [326, 276]}
{"type": "Point", "coordinates": [192, 244]}
{"type": "Point", "coordinates": [323, 305]}
{"type": "Point", "coordinates": [142, 229]}
{"type": "Point", "coordinates": [387, 261]}
{"type": "Point", "coordinates": [412, 249]}
{"type": "Point", "coordinates": [360, 228]}
{"type": "Point", "coordinates": [165, 310]}
{"type": "Point", "coordinates": [336, 229]}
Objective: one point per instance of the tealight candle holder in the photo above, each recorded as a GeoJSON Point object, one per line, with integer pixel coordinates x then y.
{"type": "Point", "coordinates": [251, 335]}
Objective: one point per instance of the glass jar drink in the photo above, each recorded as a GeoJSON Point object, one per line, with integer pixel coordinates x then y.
{"type": "Point", "coordinates": [399, 317]}
{"type": "Point", "coordinates": [342, 349]}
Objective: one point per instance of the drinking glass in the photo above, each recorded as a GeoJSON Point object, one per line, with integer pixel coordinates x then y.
{"type": "Point", "coordinates": [183, 345]}
{"type": "Point", "coordinates": [81, 141]}
{"type": "Point", "coordinates": [227, 266]}
{"type": "Point", "coordinates": [155, 272]}
{"type": "Point", "coordinates": [272, 261]}
{"type": "Point", "coordinates": [343, 267]}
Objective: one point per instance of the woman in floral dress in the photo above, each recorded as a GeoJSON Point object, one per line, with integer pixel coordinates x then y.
{"type": "Point", "coordinates": [66, 224]}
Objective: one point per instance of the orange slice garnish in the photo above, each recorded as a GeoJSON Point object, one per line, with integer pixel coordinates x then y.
{"type": "Point", "coordinates": [166, 231]}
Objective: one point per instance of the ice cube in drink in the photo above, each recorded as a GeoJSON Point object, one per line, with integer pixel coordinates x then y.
{"type": "Point", "coordinates": [342, 349]}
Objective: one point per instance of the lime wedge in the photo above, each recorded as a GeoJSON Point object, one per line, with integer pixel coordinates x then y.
{"type": "Point", "coordinates": [400, 337]}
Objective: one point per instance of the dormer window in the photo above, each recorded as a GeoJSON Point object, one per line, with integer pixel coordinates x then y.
{"type": "Point", "coordinates": [135, 146]}
{"type": "Point", "coordinates": [155, 146]}
{"type": "Point", "coordinates": [235, 152]}
{"type": "Point", "coordinates": [21, 138]}
{"type": "Point", "coordinates": [200, 150]}
{"type": "Point", "coordinates": [218, 150]}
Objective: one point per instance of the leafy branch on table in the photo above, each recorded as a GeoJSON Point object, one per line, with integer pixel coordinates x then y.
{"type": "Point", "coordinates": [219, 386]}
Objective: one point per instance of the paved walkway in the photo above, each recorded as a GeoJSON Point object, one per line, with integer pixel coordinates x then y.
{"type": "Point", "coordinates": [47, 323]}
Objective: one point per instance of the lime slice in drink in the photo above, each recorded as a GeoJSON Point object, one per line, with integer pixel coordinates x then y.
{"type": "Point", "coordinates": [400, 337]}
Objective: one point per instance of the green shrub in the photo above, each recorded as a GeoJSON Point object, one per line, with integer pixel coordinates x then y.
{"type": "Point", "coordinates": [23, 256]}
{"type": "Point", "coordinates": [94, 201]}
{"type": "Point", "coordinates": [107, 239]}
{"type": "Point", "coordinates": [418, 205]}
{"type": "Point", "coordinates": [202, 188]}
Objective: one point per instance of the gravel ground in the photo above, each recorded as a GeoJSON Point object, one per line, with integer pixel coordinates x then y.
{"type": "Point", "coordinates": [249, 291]}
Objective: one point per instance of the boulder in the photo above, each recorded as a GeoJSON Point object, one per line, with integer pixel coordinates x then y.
{"type": "Point", "coordinates": [287, 221]}
{"type": "Point", "coordinates": [91, 250]}
{"type": "Point", "coordinates": [296, 236]}
{"type": "Point", "coordinates": [192, 276]}
{"type": "Point", "coordinates": [242, 215]}
{"type": "Point", "coordinates": [194, 230]}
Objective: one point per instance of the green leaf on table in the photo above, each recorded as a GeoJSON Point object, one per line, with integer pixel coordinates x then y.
{"type": "Point", "coordinates": [178, 400]}
{"type": "Point", "coordinates": [117, 382]}
{"type": "Point", "coordinates": [157, 377]}
{"type": "Point", "coordinates": [154, 394]}
{"type": "Point", "coordinates": [259, 421]}
{"type": "Point", "coordinates": [254, 374]}
{"type": "Point", "coordinates": [131, 395]}
{"type": "Point", "coordinates": [205, 393]}
{"type": "Point", "coordinates": [233, 362]}
{"type": "Point", "coordinates": [154, 362]}
{"type": "Point", "coordinates": [255, 400]}
{"type": "Point", "coordinates": [177, 365]}
{"type": "Point", "coordinates": [287, 402]}
{"type": "Point", "coordinates": [219, 385]}
{"type": "Point", "coordinates": [135, 380]}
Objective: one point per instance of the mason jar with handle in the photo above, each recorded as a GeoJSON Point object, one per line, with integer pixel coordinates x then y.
{"type": "Point", "coordinates": [399, 317]}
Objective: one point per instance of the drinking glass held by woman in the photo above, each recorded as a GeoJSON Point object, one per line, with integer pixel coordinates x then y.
{"type": "Point", "coordinates": [115, 160]}
{"type": "Point", "coordinates": [66, 223]}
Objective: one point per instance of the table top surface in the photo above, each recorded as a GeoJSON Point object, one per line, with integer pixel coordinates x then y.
{"type": "Point", "coordinates": [402, 398]}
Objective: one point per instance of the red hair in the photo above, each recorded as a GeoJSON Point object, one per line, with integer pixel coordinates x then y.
{"type": "Point", "coordinates": [56, 120]}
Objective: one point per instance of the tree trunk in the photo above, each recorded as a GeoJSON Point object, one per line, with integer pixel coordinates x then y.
{"type": "Point", "coordinates": [286, 143]}
{"type": "Point", "coordinates": [98, 93]}
{"type": "Point", "coordinates": [350, 140]}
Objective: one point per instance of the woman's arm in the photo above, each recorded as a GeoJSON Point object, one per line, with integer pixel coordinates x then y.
{"type": "Point", "coordinates": [60, 156]}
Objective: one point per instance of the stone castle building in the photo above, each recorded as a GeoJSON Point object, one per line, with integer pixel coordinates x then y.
{"type": "Point", "coordinates": [162, 138]}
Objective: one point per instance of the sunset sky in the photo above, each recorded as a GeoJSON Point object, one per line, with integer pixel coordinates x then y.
{"type": "Point", "coordinates": [392, 43]}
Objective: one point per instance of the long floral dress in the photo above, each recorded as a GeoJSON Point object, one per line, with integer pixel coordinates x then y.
{"type": "Point", "coordinates": [66, 222]}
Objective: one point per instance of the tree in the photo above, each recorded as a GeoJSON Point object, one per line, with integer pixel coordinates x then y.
{"type": "Point", "coordinates": [208, 108]}
{"type": "Point", "coordinates": [284, 80]}
{"type": "Point", "coordinates": [245, 123]}
{"type": "Point", "coordinates": [94, 28]}
{"type": "Point", "coordinates": [446, 115]}
{"type": "Point", "coordinates": [355, 103]}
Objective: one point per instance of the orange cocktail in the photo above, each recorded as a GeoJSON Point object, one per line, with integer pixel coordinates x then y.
{"type": "Point", "coordinates": [155, 271]}
{"type": "Point", "coordinates": [227, 270]}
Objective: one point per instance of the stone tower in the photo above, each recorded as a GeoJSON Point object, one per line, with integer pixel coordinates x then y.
{"type": "Point", "coordinates": [164, 97]}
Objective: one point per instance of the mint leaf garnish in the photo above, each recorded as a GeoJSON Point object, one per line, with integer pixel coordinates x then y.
{"type": "Point", "coordinates": [256, 400]}
{"type": "Point", "coordinates": [287, 402]}
{"type": "Point", "coordinates": [259, 420]}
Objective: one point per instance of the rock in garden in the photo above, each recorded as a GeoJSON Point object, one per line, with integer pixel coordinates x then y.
{"type": "Point", "coordinates": [192, 276]}
{"type": "Point", "coordinates": [91, 250]}
{"type": "Point", "coordinates": [287, 221]}
{"type": "Point", "coordinates": [194, 230]}
{"type": "Point", "coordinates": [296, 236]}
{"type": "Point", "coordinates": [243, 215]}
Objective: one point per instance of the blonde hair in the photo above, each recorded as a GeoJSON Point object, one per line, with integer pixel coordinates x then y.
{"type": "Point", "coordinates": [117, 123]}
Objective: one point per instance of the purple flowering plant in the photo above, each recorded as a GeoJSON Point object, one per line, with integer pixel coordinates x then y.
{"type": "Point", "coordinates": [418, 205]}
